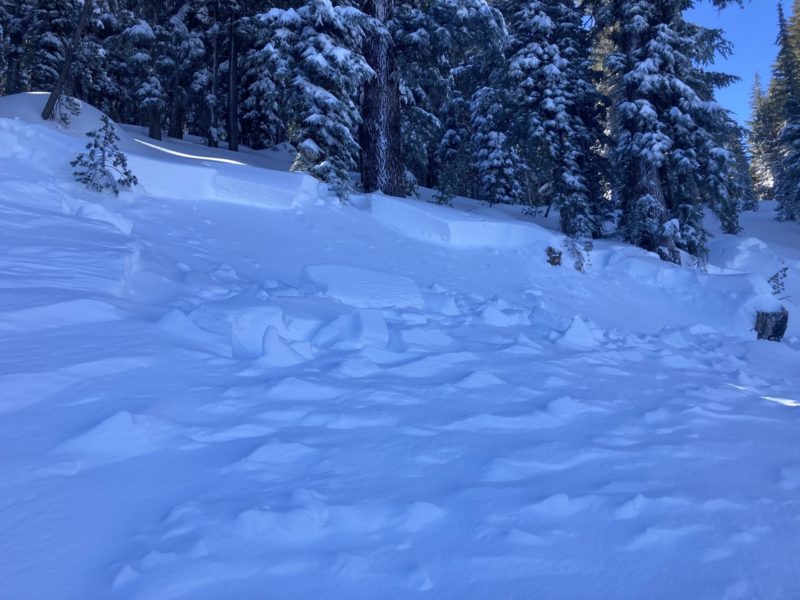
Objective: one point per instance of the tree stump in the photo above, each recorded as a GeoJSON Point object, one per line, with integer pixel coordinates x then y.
{"type": "Point", "coordinates": [772, 325]}
{"type": "Point", "coordinates": [553, 256]}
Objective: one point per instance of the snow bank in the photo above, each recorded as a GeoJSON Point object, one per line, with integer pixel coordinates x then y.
{"type": "Point", "coordinates": [198, 177]}
{"type": "Point", "coordinates": [168, 168]}
{"type": "Point", "coordinates": [444, 225]}
{"type": "Point", "coordinates": [28, 108]}
{"type": "Point", "coordinates": [36, 145]}
{"type": "Point", "coordinates": [727, 302]}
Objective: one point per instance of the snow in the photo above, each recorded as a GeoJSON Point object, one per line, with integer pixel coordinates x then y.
{"type": "Point", "coordinates": [363, 288]}
{"type": "Point", "coordinates": [225, 382]}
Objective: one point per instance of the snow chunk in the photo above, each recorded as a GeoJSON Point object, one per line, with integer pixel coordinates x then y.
{"type": "Point", "coordinates": [361, 328]}
{"type": "Point", "coordinates": [277, 351]}
{"type": "Point", "coordinates": [581, 334]}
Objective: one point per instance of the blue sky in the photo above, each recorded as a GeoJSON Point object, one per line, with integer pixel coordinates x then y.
{"type": "Point", "coordinates": [752, 30]}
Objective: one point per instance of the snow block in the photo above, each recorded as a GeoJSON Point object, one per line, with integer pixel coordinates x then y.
{"type": "Point", "coordinates": [361, 288]}
{"type": "Point", "coordinates": [245, 322]}
{"type": "Point", "coordinates": [180, 325]}
{"type": "Point", "coordinates": [449, 226]}
{"type": "Point", "coordinates": [276, 350]}
{"type": "Point", "coordinates": [355, 331]}
{"type": "Point", "coordinates": [441, 303]}
{"type": "Point", "coordinates": [728, 303]}
{"type": "Point", "coordinates": [581, 335]}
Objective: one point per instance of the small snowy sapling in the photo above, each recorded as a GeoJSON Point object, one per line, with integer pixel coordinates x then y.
{"type": "Point", "coordinates": [103, 165]}
{"type": "Point", "coordinates": [778, 282]}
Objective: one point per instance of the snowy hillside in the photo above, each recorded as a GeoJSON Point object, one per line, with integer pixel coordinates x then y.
{"type": "Point", "coordinates": [226, 385]}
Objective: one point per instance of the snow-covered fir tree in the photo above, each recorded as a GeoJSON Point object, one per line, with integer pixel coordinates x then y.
{"type": "Point", "coordinates": [103, 166]}
{"type": "Point", "coordinates": [668, 132]}
{"type": "Point", "coordinates": [423, 45]}
{"type": "Point", "coordinates": [495, 160]}
{"type": "Point", "coordinates": [742, 184]}
{"type": "Point", "coordinates": [53, 24]}
{"type": "Point", "coordinates": [263, 113]}
{"type": "Point", "coordinates": [787, 79]}
{"type": "Point", "coordinates": [454, 156]}
{"type": "Point", "coordinates": [91, 75]}
{"type": "Point", "coordinates": [764, 129]}
{"type": "Point", "coordinates": [141, 75]}
{"type": "Point", "coordinates": [319, 42]}
{"type": "Point", "coordinates": [554, 106]}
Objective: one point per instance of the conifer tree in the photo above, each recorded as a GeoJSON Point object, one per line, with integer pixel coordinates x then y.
{"type": "Point", "coordinates": [103, 166]}
{"type": "Point", "coordinates": [742, 184]}
{"type": "Point", "coordinates": [668, 133]}
{"type": "Point", "coordinates": [320, 42]}
{"type": "Point", "coordinates": [54, 23]}
{"type": "Point", "coordinates": [263, 114]}
{"type": "Point", "coordinates": [553, 103]}
{"type": "Point", "coordinates": [764, 128]}
{"type": "Point", "coordinates": [498, 166]}
{"type": "Point", "coordinates": [454, 153]}
{"type": "Point", "coordinates": [787, 81]}
{"type": "Point", "coordinates": [423, 43]}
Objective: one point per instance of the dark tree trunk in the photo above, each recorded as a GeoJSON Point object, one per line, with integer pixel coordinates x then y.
{"type": "Point", "coordinates": [213, 116]}
{"type": "Point", "coordinates": [154, 126]}
{"type": "Point", "coordinates": [381, 161]}
{"type": "Point", "coordinates": [233, 91]}
{"type": "Point", "coordinates": [176, 116]}
{"type": "Point", "coordinates": [58, 89]}
{"type": "Point", "coordinates": [13, 71]}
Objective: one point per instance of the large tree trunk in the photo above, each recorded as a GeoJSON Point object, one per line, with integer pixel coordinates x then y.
{"type": "Point", "coordinates": [58, 89]}
{"type": "Point", "coordinates": [176, 113]}
{"type": "Point", "coordinates": [233, 91]}
{"type": "Point", "coordinates": [381, 161]}
{"type": "Point", "coordinates": [213, 116]}
{"type": "Point", "coordinates": [13, 71]}
{"type": "Point", "coordinates": [154, 126]}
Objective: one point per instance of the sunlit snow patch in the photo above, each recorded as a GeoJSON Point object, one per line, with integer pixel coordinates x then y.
{"type": "Point", "coordinates": [227, 161]}
{"type": "Point", "coordinates": [784, 401]}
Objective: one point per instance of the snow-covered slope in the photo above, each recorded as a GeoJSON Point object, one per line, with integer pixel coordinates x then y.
{"type": "Point", "coordinates": [226, 385]}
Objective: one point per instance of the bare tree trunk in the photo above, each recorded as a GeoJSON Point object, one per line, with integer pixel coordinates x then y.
{"type": "Point", "coordinates": [176, 113]}
{"type": "Point", "coordinates": [58, 89]}
{"type": "Point", "coordinates": [233, 91]}
{"type": "Point", "coordinates": [154, 127]}
{"type": "Point", "coordinates": [13, 70]}
{"type": "Point", "coordinates": [212, 105]}
{"type": "Point", "coordinates": [381, 162]}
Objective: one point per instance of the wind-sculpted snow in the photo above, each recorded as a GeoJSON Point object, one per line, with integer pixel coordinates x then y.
{"type": "Point", "coordinates": [202, 399]}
